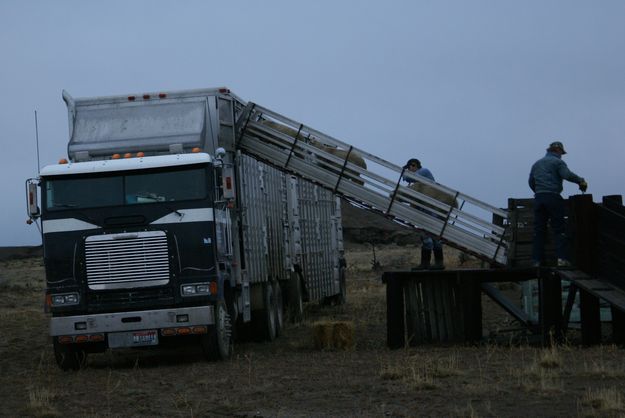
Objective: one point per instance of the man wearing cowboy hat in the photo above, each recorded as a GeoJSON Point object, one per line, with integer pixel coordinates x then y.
{"type": "Point", "coordinates": [545, 181]}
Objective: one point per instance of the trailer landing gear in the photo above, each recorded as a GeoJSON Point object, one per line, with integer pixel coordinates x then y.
{"type": "Point", "coordinates": [269, 313]}
{"type": "Point", "coordinates": [295, 300]}
{"type": "Point", "coordinates": [279, 307]}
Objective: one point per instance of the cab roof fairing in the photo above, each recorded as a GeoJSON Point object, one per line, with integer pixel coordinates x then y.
{"type": "Point", "coordinates": [125, 164]}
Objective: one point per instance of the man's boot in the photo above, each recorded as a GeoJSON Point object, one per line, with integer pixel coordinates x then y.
{"type": "Point", "coordinates": [439, 262]}
{"type": "Point", "coordinates": [426, 255]}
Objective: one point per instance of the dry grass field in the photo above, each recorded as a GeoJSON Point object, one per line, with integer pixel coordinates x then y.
{"type": "Point", "coordinates": [293, 378]}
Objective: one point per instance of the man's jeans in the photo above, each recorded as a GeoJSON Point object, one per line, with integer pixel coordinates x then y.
{"type": "Point", "coordinates": [549, 207]}
{"type": "Point", "coordinates": [429, 243]}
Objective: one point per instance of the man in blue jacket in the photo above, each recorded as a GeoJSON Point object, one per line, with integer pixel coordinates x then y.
{"type": "Point", "coordinates": [545, 181]}
{"type": "Point", "coordinates": [429, 244]}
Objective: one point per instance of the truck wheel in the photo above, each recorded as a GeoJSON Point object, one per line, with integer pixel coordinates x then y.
{"type": "Point", "coordinates": [233, 311]}
{"type": "Point", "coordinates": [295, 301]}
{"type": "Point", "coordinates": [277, 292]}
{"type": "Point", "coordinates": [269, 312]}
{"type": "Point", "coordinates": [217, 344]}
{"type": "Point", "coordinates": [69, 356]}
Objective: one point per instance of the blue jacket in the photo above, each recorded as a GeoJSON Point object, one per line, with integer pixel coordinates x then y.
{"type": "Point", "coordinates": [547, 174]}
{"type": "Point", "coordinates": [420, 172]}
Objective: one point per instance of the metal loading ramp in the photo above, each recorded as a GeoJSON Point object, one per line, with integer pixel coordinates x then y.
{"type": "Point", "coordinates": [459, 220]}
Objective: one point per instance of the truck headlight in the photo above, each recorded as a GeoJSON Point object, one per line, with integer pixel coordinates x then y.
{"type": "Point", "coordinates": [196, 289]}
{"type": "Point", "coordinates": [188, 290]}
{"type": "Point", "coordinates": [65, 299]}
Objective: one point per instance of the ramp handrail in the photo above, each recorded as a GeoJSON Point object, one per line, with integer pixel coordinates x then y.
{"type": "Point", "coordinates": [306, 152]}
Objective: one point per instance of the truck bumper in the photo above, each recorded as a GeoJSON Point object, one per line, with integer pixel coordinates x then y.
{"type": "Point", "coordinates": [131, 321]}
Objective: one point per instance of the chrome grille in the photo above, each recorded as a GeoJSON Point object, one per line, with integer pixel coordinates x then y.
{"type": "Point", "coordinates": [128, 260]}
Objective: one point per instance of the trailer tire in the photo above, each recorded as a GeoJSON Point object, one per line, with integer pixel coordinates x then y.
{"type": "Point", "coordinates": [217, 343]}
{"type": "Point", "coordinates": [268, 314]}
{"type": "Point", "coordinates": [295, 300]}
{"type": "Point", "coordinates": [69, 356]}
{"type": "Point", "coordinates": [277, 291]}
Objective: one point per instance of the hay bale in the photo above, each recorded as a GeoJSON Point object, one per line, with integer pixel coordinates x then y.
{"type": "Point", "coordinates": [322, 335]}
{"type": "Point", "coordinates": [343, 335]}
{"type": "Point", "coordinates": [328, 335]}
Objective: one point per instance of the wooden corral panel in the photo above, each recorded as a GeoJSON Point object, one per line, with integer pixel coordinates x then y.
{"type": "Point", "coordinates": [521, 234]}
{"type": "Point", "coordinates": [611, 240]}
{"type": "Point", "coordinates": [434, 311]}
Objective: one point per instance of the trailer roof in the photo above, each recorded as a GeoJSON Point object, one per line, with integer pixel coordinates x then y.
{"type": "Point", "coordinates": [125, 164]}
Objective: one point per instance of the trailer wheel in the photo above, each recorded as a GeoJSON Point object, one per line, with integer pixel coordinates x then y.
{"type": "Point", "coordinates": [295, 301]}
{"type": "Point", "coordinates": [277, 291]}
{"type": "Point", "coordinates": [217, 344]}
{"type": "Point", "coordinates": [69, 356]}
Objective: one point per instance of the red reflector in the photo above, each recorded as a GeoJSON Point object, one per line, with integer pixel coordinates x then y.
{"type": "Point", "coordinates": [95, 338]}
{"type": "Point", "coordinates": [184, 331]}
{"type": "Point", "coordinates": [146, 96]}
{"type": "Point", "coordinates": [229, 183]}
{"type": "Point", "coordinates": [82, 338]}
{"type": "Point", "coordinates": [66, 339]}
{"type": "Point", "coordinates": [168, 332]}
{"type": "Point", "coordinates": [162, 95]}
{"type": "Point", "coordinates": [199, 330]}
{"type": "Point", "coordinates": [131, 98]}
{"type": "Point", "coordinates": [224, 90]}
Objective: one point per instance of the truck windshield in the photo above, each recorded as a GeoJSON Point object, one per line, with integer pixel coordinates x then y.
{"type": "Point", "coordinates": [128, 188]}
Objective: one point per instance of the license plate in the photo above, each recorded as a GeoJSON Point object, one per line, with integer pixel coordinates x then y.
{"type": "Point", "coordinates": [133, 338]}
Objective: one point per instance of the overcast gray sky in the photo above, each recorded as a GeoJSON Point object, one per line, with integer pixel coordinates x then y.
{"type": "Point", "coordinates": [475, 89]}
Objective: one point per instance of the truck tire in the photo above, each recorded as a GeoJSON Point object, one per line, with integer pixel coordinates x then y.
{"type": "Point", "coordinates": [295, 300]}
{"type": "Point", "coordinates": [277, 292]}
{"type": "Point", "coordinates": [269, 320]}
{"type": "Point", "coordinates": [233, 311]}
{"type": "Point", "coordinates": [69, 356]}
{"type": "Point", "coordinates": [217, 343]}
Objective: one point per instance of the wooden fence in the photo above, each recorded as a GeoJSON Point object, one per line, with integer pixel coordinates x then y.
{"type": "Point", "coordinates": [446, 306]}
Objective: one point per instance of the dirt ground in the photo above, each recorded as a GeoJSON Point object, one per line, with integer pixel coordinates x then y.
{"type": "Point", "coordinates": [290, 378]}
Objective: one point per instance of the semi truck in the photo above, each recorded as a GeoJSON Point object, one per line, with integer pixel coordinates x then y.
{"type": "Point", "coordinates": [159, 227]}
{"type": "Point", "coordinates": [195, 214]}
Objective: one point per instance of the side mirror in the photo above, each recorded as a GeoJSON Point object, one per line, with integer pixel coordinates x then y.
{"type": "Point", "coordinates": [32, 198]}
{"type": "Point", "coordinates": [220, 153]}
